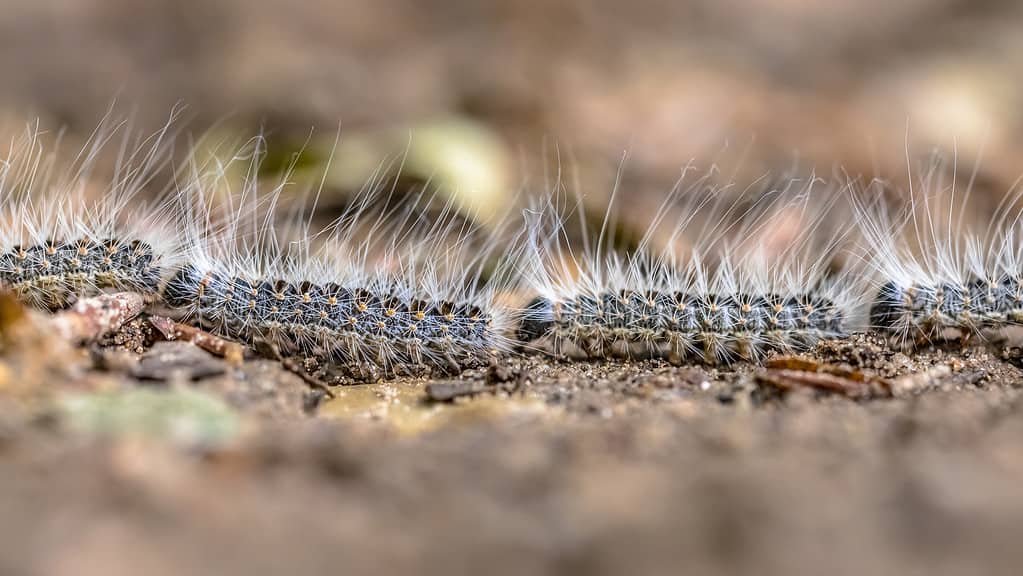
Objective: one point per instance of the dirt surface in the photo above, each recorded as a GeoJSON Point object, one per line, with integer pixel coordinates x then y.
{"type": "Point", "coordinates": [853, 459]}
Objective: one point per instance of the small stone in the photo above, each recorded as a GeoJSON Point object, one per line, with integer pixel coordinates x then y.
{"type": "Point", "coordinates": [168, 360]}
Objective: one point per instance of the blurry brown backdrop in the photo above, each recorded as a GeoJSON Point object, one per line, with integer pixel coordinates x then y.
{"type": "Point", "coordinates": [769, 81]}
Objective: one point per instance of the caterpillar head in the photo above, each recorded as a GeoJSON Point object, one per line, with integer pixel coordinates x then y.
{"type": "Point", "coordinates": [888, 307]}
{"type": "Point", "coordinates": [537, 320]}
{"type": "Point", "coordinates": [184, 288]}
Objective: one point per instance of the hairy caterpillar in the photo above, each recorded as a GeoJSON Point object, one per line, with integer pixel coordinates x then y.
{"type": "Point", "coordinates": [384, 290]}
{"type": "Point", "coordinates": [67, 232]}
{"type": "Point", "coordinates": [938, 271]}
{"type": "Point", "coordinates": [737, 278]}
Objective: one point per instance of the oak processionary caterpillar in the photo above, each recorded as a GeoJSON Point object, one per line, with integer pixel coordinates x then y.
{"type": "Point", "coordinates": [382, 292]}
{"type": "Point", "coordinates": [738, 277]}
{"type": "Point", "coordinates": [61, 238]}
{"type": "Point", "coordinates": [935, 274]}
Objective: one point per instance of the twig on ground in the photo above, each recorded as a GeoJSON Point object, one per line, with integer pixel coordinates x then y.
{"type": "Point", "coordinates": [171, 330]}
{"type": "Point", "coordinates": [289, 364]}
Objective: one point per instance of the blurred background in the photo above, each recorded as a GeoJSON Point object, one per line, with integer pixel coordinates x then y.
{"type": "Point", "coordinates": [488, 96]}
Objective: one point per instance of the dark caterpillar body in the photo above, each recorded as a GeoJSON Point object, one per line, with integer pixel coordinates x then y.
{"type": "Point", "coordinates": [927, 310]}
{"type": "Point", "coordinates": [681, 327]}
{"type": "Point", "coordinates": [54, 274]}
{"type": "Point", "coordinates": [379, 326]}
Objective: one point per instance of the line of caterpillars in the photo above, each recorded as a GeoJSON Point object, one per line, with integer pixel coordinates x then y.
{"type": "Point", "coordinates": [383, 326]}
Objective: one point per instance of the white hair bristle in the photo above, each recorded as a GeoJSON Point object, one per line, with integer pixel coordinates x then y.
{"type": "Point", "coordinates": [382, 291]}
{"type": "Point", "coordinates": [67, 232]}
{"type": "Point", "coordinates": [742, 272]}
{"type": "Point", "coordinates": [941, 269]}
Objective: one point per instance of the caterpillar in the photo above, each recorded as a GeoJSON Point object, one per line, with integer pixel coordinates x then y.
{"type": "Point", "coordinates": [940, 268]}
{"type": "Point", "coordinates": [739, 276]}
{"type": "Point", "coordinates": [66, 232]}
{"type": "Point", "coordinates": [384, 290]}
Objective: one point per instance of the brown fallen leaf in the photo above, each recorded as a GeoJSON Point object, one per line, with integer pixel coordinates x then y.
{"type": "Point", "coordinates": [791, 372]}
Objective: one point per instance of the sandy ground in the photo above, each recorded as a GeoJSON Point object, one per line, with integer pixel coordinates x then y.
{"type": "Point", "coordinates": [886, 464]}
